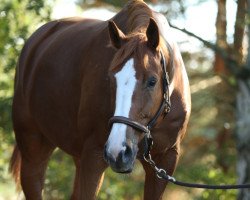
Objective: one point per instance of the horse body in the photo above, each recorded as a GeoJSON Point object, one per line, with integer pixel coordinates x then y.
{"type": "Point", "coordinates": [59, 87]}
{"type": "Point", "coordinates": [64, 98]}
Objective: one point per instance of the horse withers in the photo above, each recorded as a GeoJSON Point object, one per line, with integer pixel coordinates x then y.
{"type": "Point", "coordinates": [90, 88]}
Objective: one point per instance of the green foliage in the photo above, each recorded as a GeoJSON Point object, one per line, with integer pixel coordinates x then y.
{"type": "Point", "coordinates": [209, 153]}
{"type": "Point", "coordinates": [18, 19]}
{"type": "Point", "coordinates": [59, 177]}
{"type": "Point", "coordinates": [61, 171]}
{"type": "Point", "coordinates": [120, 187]}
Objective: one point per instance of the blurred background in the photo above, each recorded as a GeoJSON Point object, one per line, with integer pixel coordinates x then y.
{"type": "Point", "coordinates": [213, 37]}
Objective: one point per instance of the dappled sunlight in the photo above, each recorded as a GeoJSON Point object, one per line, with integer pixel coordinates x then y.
{"type": "Point", "coordinates": [118, 186]}
{"type": "Point", "coordinates": [204, 84]}
{"type": "Point", "coordinates": [181, 194]}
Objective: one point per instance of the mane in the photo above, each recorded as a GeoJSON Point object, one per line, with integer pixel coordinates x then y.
{"type": "Point", "coordinates": [138, 15]}
{"type": "Point", "coordinates": [138, 19]}
{"type": "Point", "coordinates": [132, 46]}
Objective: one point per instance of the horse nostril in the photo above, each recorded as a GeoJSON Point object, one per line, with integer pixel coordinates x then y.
{"type": "Point", "coordinates": [125, 155]}
{"type": "Point", "coordinates": [108, 157]}
{"type": "Point", "coordinates": [128, 151]}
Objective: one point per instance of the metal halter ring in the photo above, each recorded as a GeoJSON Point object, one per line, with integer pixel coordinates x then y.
{"type": "Point", "coordinates": [160, 171]}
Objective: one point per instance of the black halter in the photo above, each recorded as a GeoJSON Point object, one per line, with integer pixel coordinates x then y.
{"type": "Point", "coordinates": [164, 107]}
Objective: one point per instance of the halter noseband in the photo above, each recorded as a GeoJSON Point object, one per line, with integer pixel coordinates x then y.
{"type": "Point", "coordinates": [164, 107]}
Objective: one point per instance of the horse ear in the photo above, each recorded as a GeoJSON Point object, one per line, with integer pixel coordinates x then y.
{"type": "Point", "coordinates": [117, 37]}
{"type": "Point", "coordinates": [153, 34]}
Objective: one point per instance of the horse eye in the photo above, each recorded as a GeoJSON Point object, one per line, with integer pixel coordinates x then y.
{"type": "Point", "coordinates": [151, 82]}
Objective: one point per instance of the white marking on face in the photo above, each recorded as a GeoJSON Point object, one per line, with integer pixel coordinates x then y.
{"type": "Point", "coordinates": [125, 83]}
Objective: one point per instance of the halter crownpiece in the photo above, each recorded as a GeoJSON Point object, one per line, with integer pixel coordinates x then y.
{"type": "Point", "coordinates": [166, 83]}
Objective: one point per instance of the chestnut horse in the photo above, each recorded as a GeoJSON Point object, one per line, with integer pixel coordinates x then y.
{"type": "Point", "coordinates": [74, 74]}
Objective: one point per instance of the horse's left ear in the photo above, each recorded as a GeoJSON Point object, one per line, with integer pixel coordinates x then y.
{"type": "Point", "coordinates": [153, 34]}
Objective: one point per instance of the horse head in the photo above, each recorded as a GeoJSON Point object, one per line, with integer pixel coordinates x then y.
{"type": "Point", "coordinates": [137, 78]}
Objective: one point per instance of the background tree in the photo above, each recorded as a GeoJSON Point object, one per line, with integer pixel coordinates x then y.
{"type": "Point", "coordinates": [243, 99]}
{"type": "Point", "coordinates": [231, 65]}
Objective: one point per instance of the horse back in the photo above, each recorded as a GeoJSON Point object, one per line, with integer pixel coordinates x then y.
{"type": "Point", "coordinates": [41, 41]}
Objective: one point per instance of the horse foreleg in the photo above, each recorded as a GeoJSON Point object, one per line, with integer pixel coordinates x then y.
{"type": "Point", "coordinates": [91, 174]}
{"type": "Point", "coordinates": [154, 187]}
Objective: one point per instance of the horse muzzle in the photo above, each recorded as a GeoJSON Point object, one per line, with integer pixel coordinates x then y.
{"type": "Point", "coordinates": [120, 150]}
{"type": "Point", "coordinates": [122, 161]}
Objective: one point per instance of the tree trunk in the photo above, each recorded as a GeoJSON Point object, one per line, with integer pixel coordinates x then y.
{"type": "Point", "coordinates": [243, 137]}
{"type": "Point", "coordinates": [220, 67]}
{"type": "Point", "coordinates": [243, 127]}
{"type": "Point", "coordinates": [239, 31]}
{"type": "Point", "coordinates": [221, 36]}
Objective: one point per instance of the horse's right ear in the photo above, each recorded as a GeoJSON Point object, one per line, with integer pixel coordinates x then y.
{"type": "Point", "coordinates": [117, 37]}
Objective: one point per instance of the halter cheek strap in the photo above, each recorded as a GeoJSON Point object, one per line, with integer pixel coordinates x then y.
{"type": "Point", "coordinates": [166, 103]}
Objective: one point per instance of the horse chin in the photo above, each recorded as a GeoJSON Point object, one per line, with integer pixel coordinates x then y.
{"type": "Point", "coordinates": [126, 170]}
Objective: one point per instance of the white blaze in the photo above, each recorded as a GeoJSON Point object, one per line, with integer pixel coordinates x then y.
{"type": "Point", "coordinates": [125, 83]}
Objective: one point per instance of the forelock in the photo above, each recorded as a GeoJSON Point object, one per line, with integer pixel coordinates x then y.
{"type": "Point", "coordinates": [134, 45]}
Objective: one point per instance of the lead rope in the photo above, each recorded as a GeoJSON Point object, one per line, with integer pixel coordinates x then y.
{"type": "Point", "coordinates": [162, 174]}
